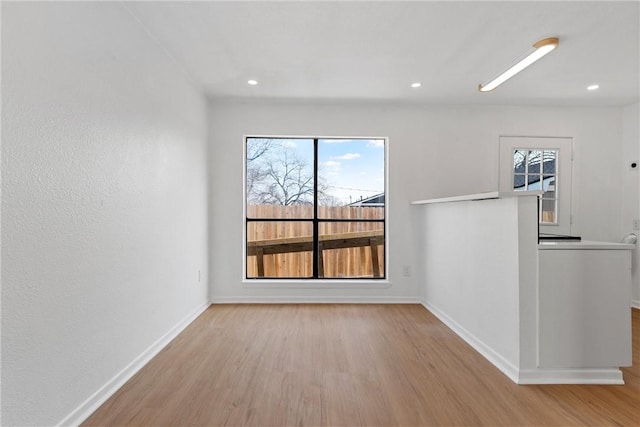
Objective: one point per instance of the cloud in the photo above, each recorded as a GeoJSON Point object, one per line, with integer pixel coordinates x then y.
{"type": "Point", "coordinates": [348, 156]}
{"type": "Point", "coordinates": [376, 143]}
{"type": "Point", "coordinates": [331, 168]}
{"type": "Point", "coordinates": [331, 164]}
{"type": "Point", "coordinates": [335, 141]}
{"type": "Point", "coordinates": [288, 143]}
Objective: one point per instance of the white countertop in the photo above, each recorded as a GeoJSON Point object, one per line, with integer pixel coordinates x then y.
{"type": "Point", "coordinates": [583, 245]}
{"type": "Point", "coordinates": [478, 196]}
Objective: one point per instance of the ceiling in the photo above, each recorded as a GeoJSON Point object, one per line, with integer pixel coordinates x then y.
{"type": "Point", "coordinates": [374, 50]}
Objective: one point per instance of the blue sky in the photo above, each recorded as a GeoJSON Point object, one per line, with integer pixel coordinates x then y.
{"type": "Point", "coordinates": [353, 168]}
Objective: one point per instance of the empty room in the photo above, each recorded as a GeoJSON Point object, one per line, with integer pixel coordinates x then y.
{"type": "Point", "coordinates": [320, 213]}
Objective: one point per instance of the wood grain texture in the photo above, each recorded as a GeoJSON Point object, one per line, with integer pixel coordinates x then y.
{"type": "Point", "coordinates": [347, 365]}
{"type": "Point", "coordinates": [286, 245]}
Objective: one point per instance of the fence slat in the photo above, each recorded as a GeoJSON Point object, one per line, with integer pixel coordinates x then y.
{"type": "Point", "coordinates": [345, 262]}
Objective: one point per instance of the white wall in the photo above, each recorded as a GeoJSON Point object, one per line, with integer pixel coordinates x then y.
{"type": "Point", "coordinates": [486, 279]}
{"type": "Point", "coordinates": [104, 202]}
{"type": "Point", "coordinates": [433, 152]}
{"type": "Point", "coordinates": [631, 187]}
{"type": "Point", "coordinates": [477, 264]}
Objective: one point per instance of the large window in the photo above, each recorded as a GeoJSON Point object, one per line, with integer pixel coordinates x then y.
{"type": "Point", "coordinates": [315, 208]}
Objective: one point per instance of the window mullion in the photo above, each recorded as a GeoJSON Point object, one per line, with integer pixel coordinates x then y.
{"type": "Point", "coordinates": [526, 170]}
{"type": "Point", "coordinates": [316, 237]}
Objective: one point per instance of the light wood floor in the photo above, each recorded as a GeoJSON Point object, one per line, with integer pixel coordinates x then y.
{"type": "Point", "coordinates": [347, 365]}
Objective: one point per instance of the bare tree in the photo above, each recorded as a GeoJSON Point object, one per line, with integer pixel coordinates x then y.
{"type": "Point", "coordinates": [324, 198]}
{"type": "Point", "coordinates": [256, 147]}
{"type": "Point", "coordinates": [287, 181]}
{"type": "Point", "coordinates": [276, 174]}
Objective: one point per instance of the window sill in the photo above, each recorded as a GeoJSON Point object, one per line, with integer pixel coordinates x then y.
{"type": "Point", "coordinates": [316, 284]}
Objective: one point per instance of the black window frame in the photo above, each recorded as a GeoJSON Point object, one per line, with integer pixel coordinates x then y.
{"type": "Point", "coordinates": [315, 220]}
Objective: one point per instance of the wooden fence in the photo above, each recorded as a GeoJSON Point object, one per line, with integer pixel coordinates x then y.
{"type": "Point", "coordinates": [348, 249]}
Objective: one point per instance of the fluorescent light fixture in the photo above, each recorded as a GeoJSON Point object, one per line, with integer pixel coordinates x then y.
{"type": "Point", "coordinates": [541, 48]}
{"type": "Point", "coordinates": [252, 82]}
{"type": "Point", "coordinates": [416, 84]}
{"type": "Point", "coordinates": [593, 87]}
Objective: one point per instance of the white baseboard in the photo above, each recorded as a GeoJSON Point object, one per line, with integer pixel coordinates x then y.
{"type": "Point", "coordinates": [314, 300]}
{"type": "Point", "coordinates": [635, 304]}
{"type": "Point", "coordinates": [611, 376]}
{"type": "Point", "coordinates": [89, 406]}
{"type": "Point", "coordinates": [487, 352]}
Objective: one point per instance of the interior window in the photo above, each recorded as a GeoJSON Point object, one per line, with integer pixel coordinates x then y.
{"type": "Point", "coordinates": [540, 164]}
{"type": "Point", "coordinates": [535, 170]}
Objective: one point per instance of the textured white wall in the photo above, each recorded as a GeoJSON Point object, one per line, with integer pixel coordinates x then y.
{"type": "Point", "coordinates": [433, 152]}
{"type": "Point", "coordinates": [104, 211]}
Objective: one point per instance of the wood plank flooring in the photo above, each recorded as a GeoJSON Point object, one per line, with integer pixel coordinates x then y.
{"type": "Point", "coordinates": [347, 365]}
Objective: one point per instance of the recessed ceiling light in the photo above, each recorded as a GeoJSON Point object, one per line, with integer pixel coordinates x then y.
{"type": "Point", "coordinates": [252, 82]}
{"type": "Point", "coordinates": [593, 87]}
{"type": "Point", "coordinates": [416, 84]}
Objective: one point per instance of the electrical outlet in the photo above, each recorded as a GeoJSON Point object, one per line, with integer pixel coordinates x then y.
{"type": "Point", "coordinates": [406, 271]}
{"type": "Point", "coordinates": [636, 224]}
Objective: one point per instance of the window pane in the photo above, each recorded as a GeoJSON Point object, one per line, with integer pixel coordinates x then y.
{"type": "Point", "coordinates": [550, 161]}
{"type": "Point", "coordinates": [279, 178]}
{"type": "Point", "coordinates": [351, 249]}
{"type": "Point", "coordinates": [279, 211]}
{"type": "Point", "coordinates": [549, 183]}
{"type": "Point", "coordinates": [279, 249]}
{"type": "Point", "coordinates": [351, 175]}
{"type": "Point", "coordinates": [548, 214]}
{"type": "Point", "coordinates": [519, 182]}
{"type": "Point", "coordinates": [534, 182]}
{"type": "Point", "coordinates": [519, 161]}
{"type": "Point", "coordinates": [533, 160]}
